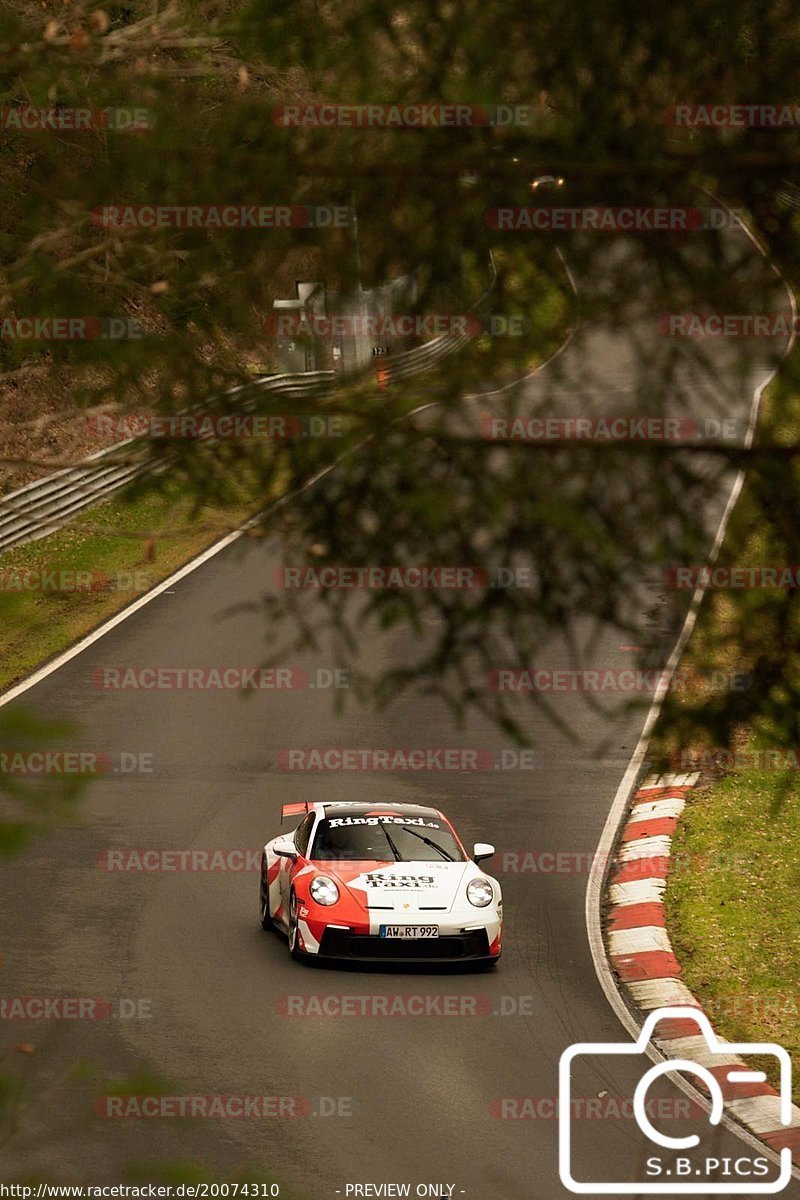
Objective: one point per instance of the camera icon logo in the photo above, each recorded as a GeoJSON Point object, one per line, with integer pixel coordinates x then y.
{"type": "Point", "coordinates": [703, 1171]}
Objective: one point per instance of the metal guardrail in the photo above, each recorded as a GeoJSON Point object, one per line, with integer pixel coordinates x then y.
{"type": "Point", "coordinates": [42, 507]}
{"type": "Point", "coordinates": [411, 362]}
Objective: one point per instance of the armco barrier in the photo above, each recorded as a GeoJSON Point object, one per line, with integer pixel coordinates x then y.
{"type": "Point", "coordinates": [41, 507]}
{"type": "Point", "coordinates": [44, 506]}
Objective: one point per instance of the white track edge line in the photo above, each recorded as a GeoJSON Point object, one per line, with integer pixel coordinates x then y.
{"type": "Point", "coordinates": [157, 590]}
{"type": "Point", "coordinates": [90, 638]}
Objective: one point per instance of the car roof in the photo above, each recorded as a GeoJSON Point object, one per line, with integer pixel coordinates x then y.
{"type": "Point", "coordinates": [362, 809]}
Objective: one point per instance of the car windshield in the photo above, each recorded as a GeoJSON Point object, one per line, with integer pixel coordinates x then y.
{"type": "Point", "coordinates": [404, 839]}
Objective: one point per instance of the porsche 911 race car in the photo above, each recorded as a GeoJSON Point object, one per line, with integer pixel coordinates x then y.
{"type": "Point", "coordinates": [380, 882]}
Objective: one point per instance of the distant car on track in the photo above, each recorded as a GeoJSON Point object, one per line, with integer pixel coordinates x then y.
{"type": "Point", "coordinates": [380, 882]}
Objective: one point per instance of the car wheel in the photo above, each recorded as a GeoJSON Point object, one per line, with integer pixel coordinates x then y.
{"type": "Point", "coordinates": [294, 937]}
{"type": "Point", "coordinates": [263, 900]}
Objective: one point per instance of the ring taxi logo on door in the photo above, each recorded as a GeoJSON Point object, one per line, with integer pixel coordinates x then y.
{"type": "Point", "coordinates": [676, 1164]}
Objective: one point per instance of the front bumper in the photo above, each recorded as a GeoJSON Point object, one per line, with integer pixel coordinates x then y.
{"type": "Point", "coordinates": [471, 946]}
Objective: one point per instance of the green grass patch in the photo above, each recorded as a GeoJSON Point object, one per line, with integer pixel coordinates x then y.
{"type": "Point", "coordinates": [732, 906]}
{"type": "Point", "coordinates": [732, 895]}
{"type": "Point", "coordinates": [56, 590]}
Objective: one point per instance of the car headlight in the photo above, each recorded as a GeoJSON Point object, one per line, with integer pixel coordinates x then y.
{"type": "Point", "coordinates": [324, 890]}
{"type": "Point", "coordinates": [479, 892]}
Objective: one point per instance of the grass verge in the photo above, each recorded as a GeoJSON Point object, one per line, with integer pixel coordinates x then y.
{"type": "Point", "coordinates": [731, 906]}
{"type": "Point", "coordinates": [731, 898]}
{"type": "Point", "coordinates": [56, 590]}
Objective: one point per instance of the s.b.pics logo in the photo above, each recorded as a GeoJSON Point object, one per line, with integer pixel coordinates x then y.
{"type": "Point", "coordinates": [674, 1160]}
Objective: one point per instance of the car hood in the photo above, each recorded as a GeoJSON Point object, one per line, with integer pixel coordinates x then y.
{"type": "Point", "coordinates": [401, 886]}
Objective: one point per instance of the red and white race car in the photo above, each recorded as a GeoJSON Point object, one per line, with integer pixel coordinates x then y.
{"type": "Point", "coordinates": [380, 882]}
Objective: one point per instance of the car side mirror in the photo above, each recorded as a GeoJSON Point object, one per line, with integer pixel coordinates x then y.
{"type": "Point", "coordinates": [482, 850]}
{"type": "Point", "coordinates": [285, 849]}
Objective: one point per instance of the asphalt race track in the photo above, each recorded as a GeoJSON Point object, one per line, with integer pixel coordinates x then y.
{"type": "Point", "coordinates": [415, 1099]}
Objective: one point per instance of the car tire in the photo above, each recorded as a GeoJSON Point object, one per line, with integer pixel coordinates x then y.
{"type": "Point", "coordinates": [294, 937]}
{"type": "Point", "coordinates": [267, 923]}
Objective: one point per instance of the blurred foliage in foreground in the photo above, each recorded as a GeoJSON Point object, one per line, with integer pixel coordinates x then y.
{"type": "Point", "coordinates": [590, 524]}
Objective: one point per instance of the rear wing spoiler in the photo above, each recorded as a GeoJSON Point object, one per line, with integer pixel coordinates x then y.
{"type": "Point", "coordinates": [294, 810]}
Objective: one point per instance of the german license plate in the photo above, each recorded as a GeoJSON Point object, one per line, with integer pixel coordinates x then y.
{"type": "Point", "coordinates": [409, 931]}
